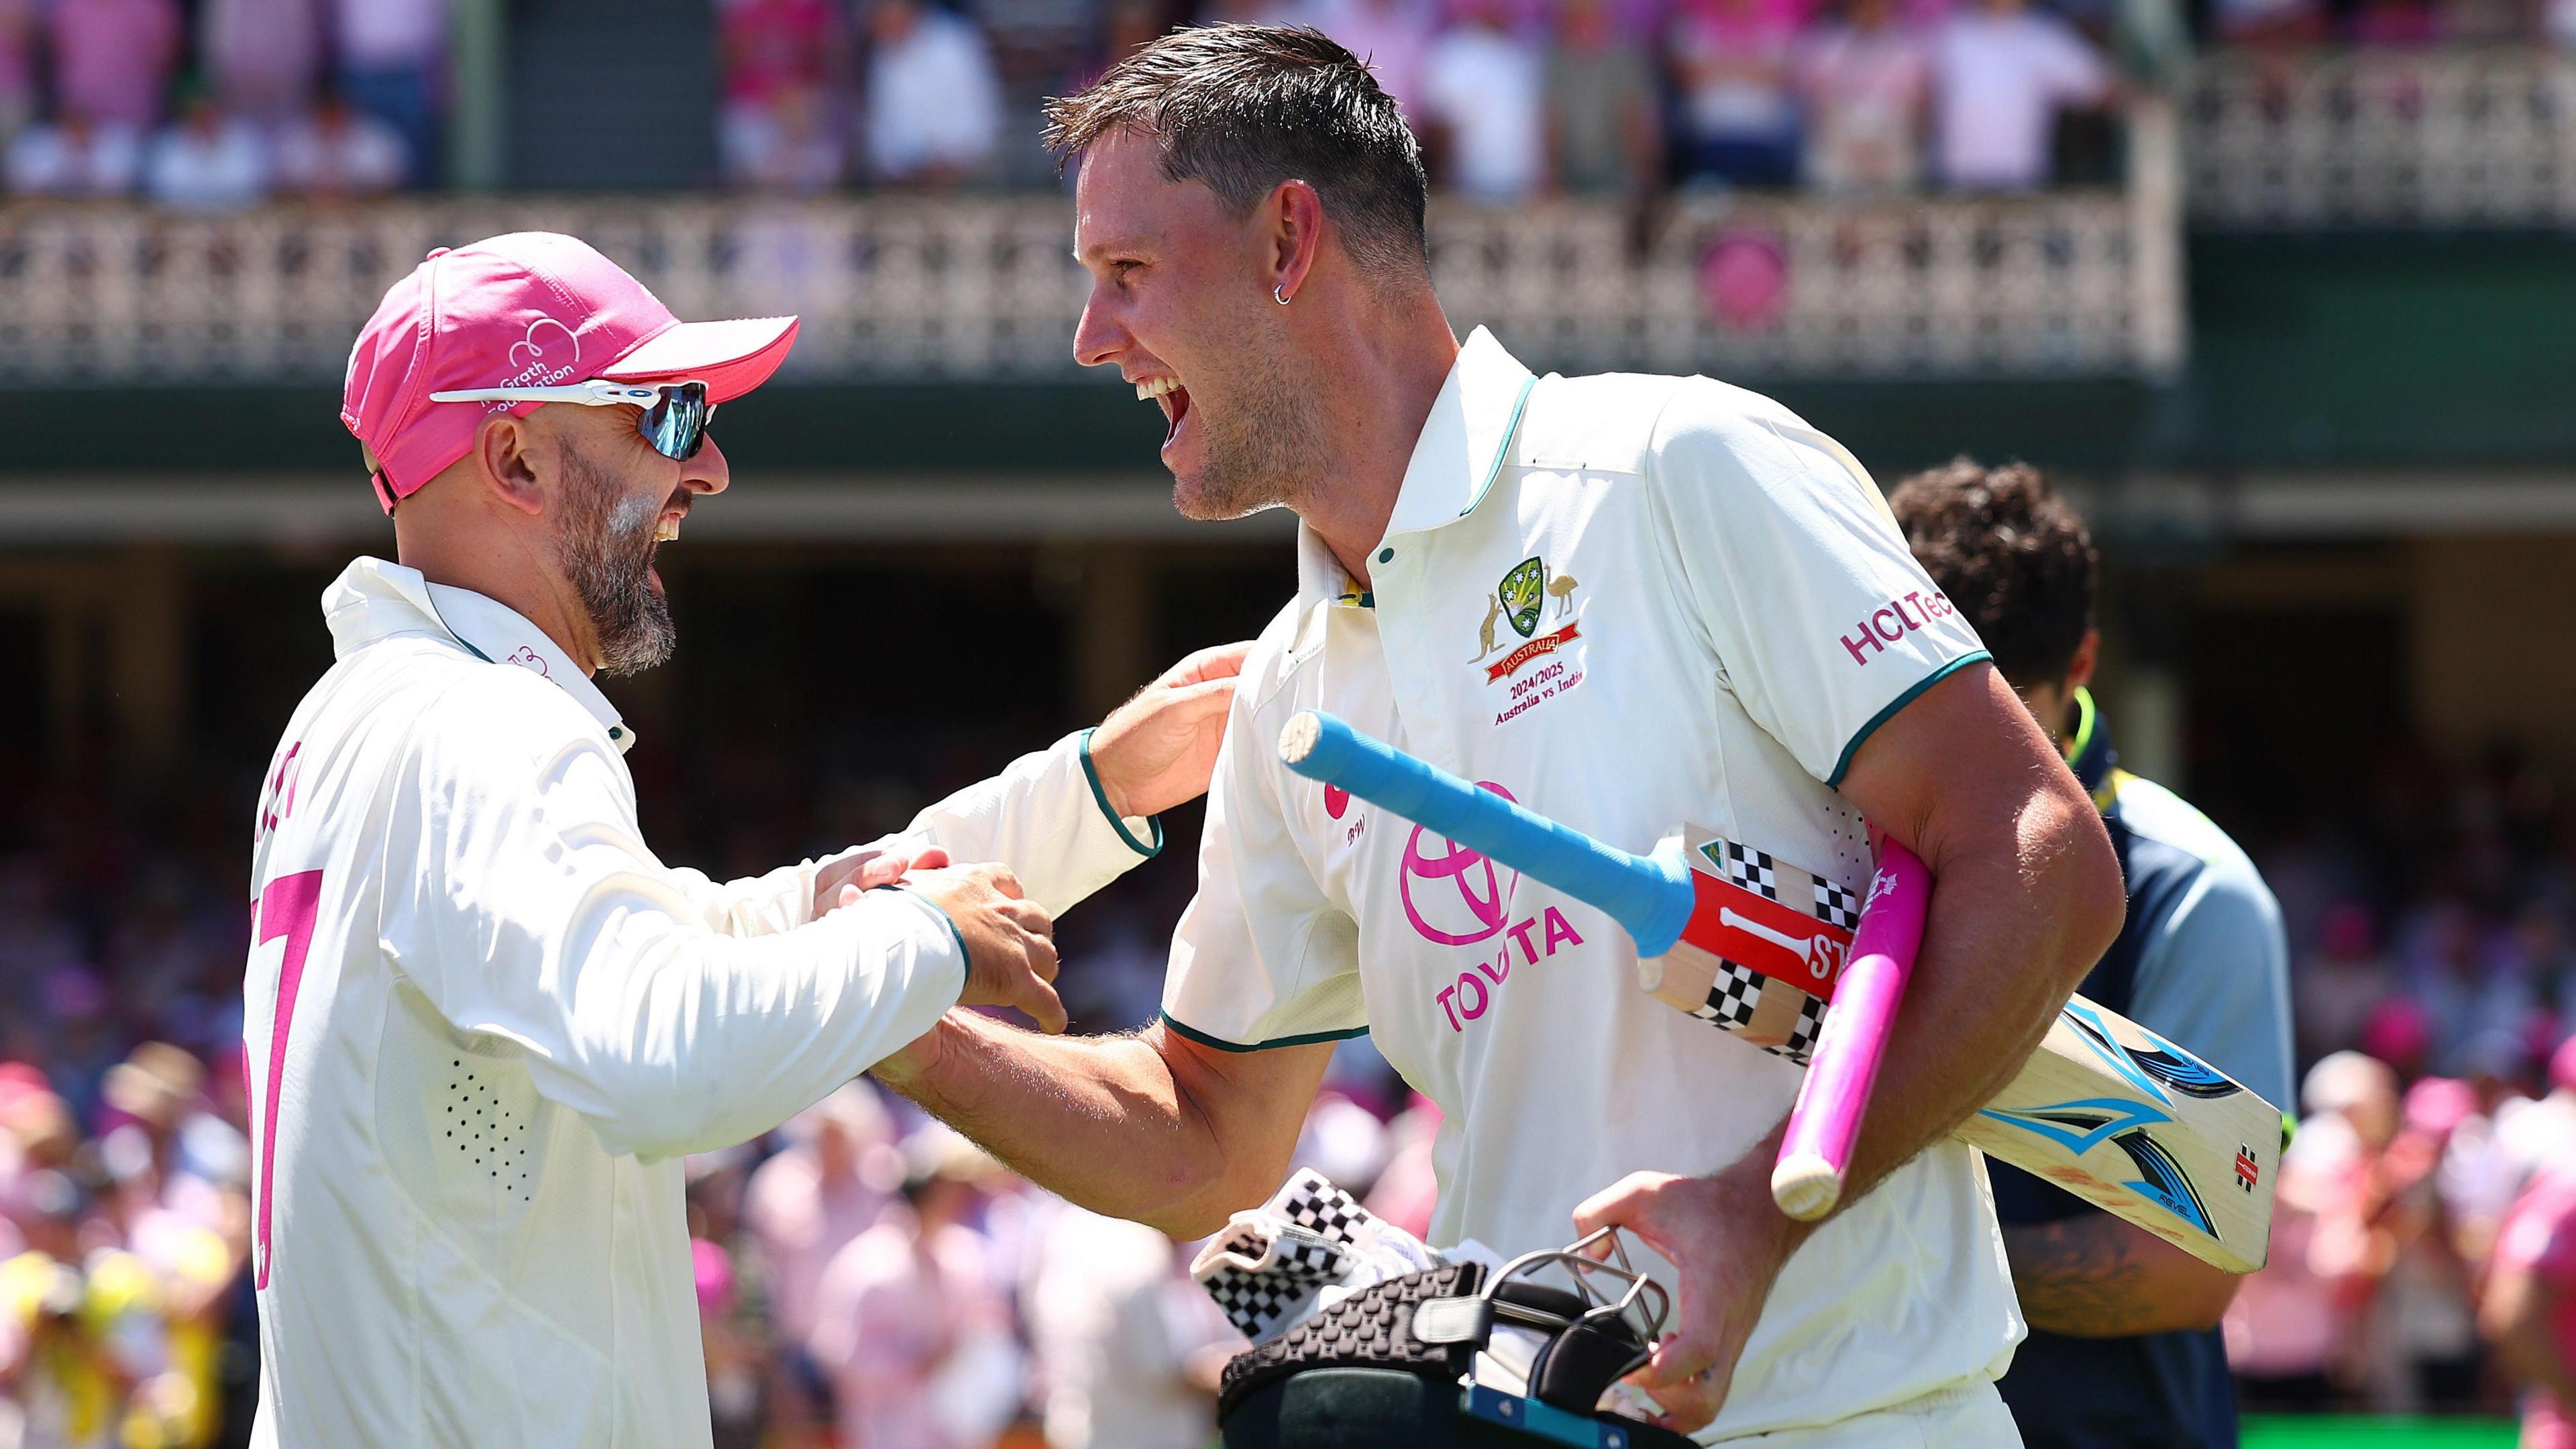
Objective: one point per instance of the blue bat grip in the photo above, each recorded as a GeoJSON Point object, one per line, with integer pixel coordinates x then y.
{"type": "Point", "coordinates": [1648, 896]}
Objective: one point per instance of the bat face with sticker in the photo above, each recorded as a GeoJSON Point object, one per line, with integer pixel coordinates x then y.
{"type": "Point", "coordinates": [1757, 947]}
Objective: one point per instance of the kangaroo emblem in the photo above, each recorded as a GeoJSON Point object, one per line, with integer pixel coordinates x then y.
{"type": "Point", "coordinates": [1485, 635]}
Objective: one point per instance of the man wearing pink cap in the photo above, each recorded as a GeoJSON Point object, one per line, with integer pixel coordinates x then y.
{"type": "Point", "coordinates": [484, 1021]}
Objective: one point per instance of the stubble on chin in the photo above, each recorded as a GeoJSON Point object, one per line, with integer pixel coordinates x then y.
{"type": "Point", "coordinates": [1263, 451]}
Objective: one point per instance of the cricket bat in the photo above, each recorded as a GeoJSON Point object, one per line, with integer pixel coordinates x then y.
{"type": "Point", "coordinates": [2105, 1108]}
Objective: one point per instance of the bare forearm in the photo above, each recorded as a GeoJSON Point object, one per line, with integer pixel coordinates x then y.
{"type": "Point", "coordinates": [2010, 933]}
{"type": "Point", "coordinates": [2093, 1276]}
{"type": "Point", "coordinates": [1099, 1120]}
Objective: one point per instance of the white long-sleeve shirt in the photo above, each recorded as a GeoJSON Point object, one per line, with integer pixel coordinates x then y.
{"type": "Point", "coordinates": [484, 1022]}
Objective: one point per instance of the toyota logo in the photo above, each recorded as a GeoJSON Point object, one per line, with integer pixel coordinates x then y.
{"type": "Point", "coordinates": [1454, 897]}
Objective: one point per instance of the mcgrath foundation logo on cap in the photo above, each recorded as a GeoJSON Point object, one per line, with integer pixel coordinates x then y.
{"type": "Point", "coordinates": [547, 355]}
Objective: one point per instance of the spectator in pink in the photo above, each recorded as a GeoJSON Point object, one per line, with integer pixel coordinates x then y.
{"type": "Point", "coordinates": [1393, 36]}
{"type": "Point", "coordinates": [1738, 115]}
{"type": "Point", "coordinates": [389, 54]}
{"type": "Point", "coordinates": [337, 150]}
{"type": "Point", "coordinates": [783, 62]}
{"type": "Point", "coordinates": [2528, 1309]}
{"type": "Point", "coordinates": [831, 1183]}
{"type": "Point", "coordinates": [113, 59]}
{"type": "Point", "coordinates": [20, 36]}
{"type": "Point", "coordinates": [902, 1305]}
{"type": "Point", "coordinates": [263, 57]}
{"type": "Point", "coordinates": [2001, 72]}
{"type": "Point", "coordinates": [1867, 80]}
{"type": "Point", "coordinates": [1481, 106]}
{"type": "Point", "coordinates": [1605, 130]}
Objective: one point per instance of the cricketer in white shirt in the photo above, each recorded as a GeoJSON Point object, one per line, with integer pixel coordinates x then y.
{"type": "Point", "coordinates": [1627, 602]}
{"type": "Point", "coordinates": [484, 1023]}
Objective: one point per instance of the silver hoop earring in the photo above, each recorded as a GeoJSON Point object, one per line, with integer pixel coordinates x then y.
{"type": "Point", "coordinates": [1279, 294]}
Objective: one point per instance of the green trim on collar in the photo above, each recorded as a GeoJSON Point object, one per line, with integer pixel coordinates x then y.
{"type": "Point", "coordinates": [1842, 766]}
{"type": "Point", "coordinates": [1503, 450]}
{"type": "Point", "coordinates": [450, 628]}
{"type": "Point", "coordinates": [2084, 719]}
{"type": "Point", "coordinates": [1100, 797]}
{"type": "Point", "coordinates": [1221, 1044]}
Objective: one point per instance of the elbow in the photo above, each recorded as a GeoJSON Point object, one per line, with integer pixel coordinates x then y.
{"type": "Point", "coordinates": [2093, 900]}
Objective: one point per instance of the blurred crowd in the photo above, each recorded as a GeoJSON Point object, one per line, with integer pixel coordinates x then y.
{"type": "Point", "coordinates": [868, 1279]}
{"type": "Point", "coordinates": [2431, 1184]}
{"type": "Point", "coordinates": [1513, 98]}
{"type": "Point", "coordinates": [213, 104]}
{"type": "Point", "coordinates": [217, 104]}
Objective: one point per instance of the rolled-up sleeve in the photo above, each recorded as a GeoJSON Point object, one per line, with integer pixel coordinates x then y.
{"type": "Point", "coordinates": [521, 900]}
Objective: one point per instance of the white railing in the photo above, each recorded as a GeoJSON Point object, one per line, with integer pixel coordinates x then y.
{"type": "Point", "coordinates": [2376, 138]}
{"type": "Point", "coordinates": [911, 289]}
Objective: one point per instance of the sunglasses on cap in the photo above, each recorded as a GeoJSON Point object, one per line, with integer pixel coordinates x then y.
{"type": "Point", "coordinates": [675, 417]}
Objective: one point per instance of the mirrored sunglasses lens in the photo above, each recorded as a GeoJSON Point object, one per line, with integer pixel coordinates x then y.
{"type": "Point", "coordinates": [677, 425]}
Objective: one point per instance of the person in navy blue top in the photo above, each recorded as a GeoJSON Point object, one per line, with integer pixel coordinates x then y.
{"type": "Point", "coordinates": [2124, 1347]}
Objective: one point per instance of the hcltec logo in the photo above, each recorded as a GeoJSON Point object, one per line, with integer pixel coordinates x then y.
{"type": "Point", "coordinates": [1462, 900]}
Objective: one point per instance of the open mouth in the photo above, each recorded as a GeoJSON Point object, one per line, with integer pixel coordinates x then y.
{"type": "Point", "coordinates": [1174, 400]}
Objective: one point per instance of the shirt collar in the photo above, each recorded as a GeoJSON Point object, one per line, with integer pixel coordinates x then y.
{"type": "Point", "coordinates": [374, 600]}
{"type": "Point", "coordinates": [1455, 460]}
{"type": "Point", "coordinates": [1460, 451]}
{"type": "Point", "coordinates": [2089, 753]}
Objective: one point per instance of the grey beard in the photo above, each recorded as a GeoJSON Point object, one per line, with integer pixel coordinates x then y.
{"type": "Point", "coordinates": [606, 548]}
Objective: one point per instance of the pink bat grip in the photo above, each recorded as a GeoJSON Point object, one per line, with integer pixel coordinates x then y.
{"type": "Point", "coordinates": [1808, 1180]}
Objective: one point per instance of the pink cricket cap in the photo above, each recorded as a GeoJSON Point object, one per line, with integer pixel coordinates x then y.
{"type": "Point", "coordinates": [530, 309]}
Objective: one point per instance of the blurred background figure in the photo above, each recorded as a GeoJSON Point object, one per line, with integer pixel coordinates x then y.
{"type": "Point", "coordinates": [1129, 1349]}
{"type": "Point", "coordinates": [933, 97]}
{"type": "Point", "coordinates": [1605, 133]}
{"type": "Point", "coordinates": [21, 41]}
{"type": "Point", "coordinates": [72, 158]}
{"type": "Point", "coordinates": [338, 151]}
{"type": "Point", "coordinates": [1483, 107]}
{"type": "Point", "coordinates": [834, 1179]}
{"type": "Point", "coordinates": [207, 160]}
{"type": "Point", "coordinates": [1393, 36]}
{"type": "Point", "coordinates": [784, 63]}
{"type": "Point", "coordinates": [2003, 71]}
{"type": "Point", "coordinates": [262, 58]}
{"type": "Point", "coordinates": [909, 1331]}
{"type": "Point", "coordinates": [1737, 115]}
{"type": "Point", "coordinates": [389, 55]}
{"type": "Point", "coordinates": [113, 59]}
{"type": "Point", "coordinates": [2529, 1307]}
{"type": "Point", "coordinates": [1867, 83]}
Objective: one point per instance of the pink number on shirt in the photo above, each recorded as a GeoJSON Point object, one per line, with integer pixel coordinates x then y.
{"type": "Point", "coordinates": [286, 908]}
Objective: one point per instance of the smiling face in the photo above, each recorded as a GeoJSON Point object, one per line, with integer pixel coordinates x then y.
{"type": "Point", "coordinates": [1179, 307]}
{"type": "Point", "coordinates": [617, 502]}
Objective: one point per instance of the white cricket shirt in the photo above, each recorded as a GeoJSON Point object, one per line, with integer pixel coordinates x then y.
{"type": "Point", "coordinates": [484, 1021]}
{"type": "Point", "coordinates": [1628, 603]}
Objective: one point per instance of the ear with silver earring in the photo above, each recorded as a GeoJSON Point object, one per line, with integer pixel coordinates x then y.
{"type": "Point", "coordinates": [1279, 294]}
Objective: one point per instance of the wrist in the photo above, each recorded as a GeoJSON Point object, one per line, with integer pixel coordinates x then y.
{"type": "Point", "coordinates": [1744, 1195]}
{"type": "Point", "coordinates": [908, 1072]}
